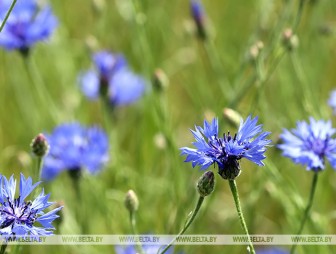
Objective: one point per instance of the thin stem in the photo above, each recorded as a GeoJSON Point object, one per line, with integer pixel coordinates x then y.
{"type": "Point", "coordinates": [7, 15]}
{"type": "Point", "coordinates": [186, 226]}
{"type": "Point", "coordinates": [307, 210]}
{"type": "Point", "coordinates": [235, 195]}
{"type": "Point", "coordinates": [135, 232]}
{"type": "Point", "coordinates": [299, 15]}
{"type": "Point", "coordinates": [3, 248]}
{"type": "Point", "coordinates": [39, 167]}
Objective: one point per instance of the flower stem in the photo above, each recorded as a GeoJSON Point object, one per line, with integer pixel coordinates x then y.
{"type": "Point", "coordinates": [134, 232]}
{"type": "Point", "coordinates": [307, 210]}
{"type": "Point", "coordinates": [39, 167]}
{"type": "Point", "coordinates": [188, 223]}
{"type": "Point", "coordinates": [235, 195]}
{"type": "Point", "coordinates": [7, 15]}
{"type": "Point", "coordinates": [3, 248]}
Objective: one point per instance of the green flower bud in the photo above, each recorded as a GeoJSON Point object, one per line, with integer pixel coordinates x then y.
{"type": "Point", "coordinates": [289, 40]}
{"type": "Point", "coordinates": [131, 201]}
{"type": "Point", "coordinates": [206, 184]}
{"type": "Point", "coordinates": [232, 116]}
{"type": "Point", "coordinates": [160, 80]}
{"type": "Point", "coordinates": [39, 145]}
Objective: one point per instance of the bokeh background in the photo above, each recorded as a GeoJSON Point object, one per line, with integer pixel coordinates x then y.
{"type": "Point", "coordinates": [280, 84]}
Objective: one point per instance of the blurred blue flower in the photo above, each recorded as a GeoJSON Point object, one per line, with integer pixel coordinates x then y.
{"type": "Point", "coordinates": [197, 10]}
{"type": "Point", "coordinates": [272, 251]}
{"type": "Point", "coordinates": [18, 216]}
{"type": "Point", "coordinates": [74, 147]}
{"type": "Point", "coordinates": [332, 101]}
{"type": "Point", "coordinates": [310, 143]}
{"type": "Point", "coordinates": [148, 249]}
{"type": "Point", "coordinates": [227, 151]}
{"type": "Point", "coordinates": [26, 25]}
{"type": "Point", "coordinates": [113, 79]}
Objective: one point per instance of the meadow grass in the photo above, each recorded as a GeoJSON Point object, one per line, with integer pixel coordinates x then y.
{"type": "Point", "coordinates": [281, 87]}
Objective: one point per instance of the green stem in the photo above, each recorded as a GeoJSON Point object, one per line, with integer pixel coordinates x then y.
{"type": "Point", "coordinates": [39, 167]}
{"type": "Point", "coordinates": [299, 15]}
{"type": "Point", "coordinates": [186, 226]}
{"type": "Point", "coordinates": [235, 195]}
{"type": "Point", "coordinates": [3, 248]}
{"type": "Point", "coordinates": [135, 232]}
{"type": "Point", "coordinates": [307, 210]}
{"type": "Point", "coordinates": [7, 15]}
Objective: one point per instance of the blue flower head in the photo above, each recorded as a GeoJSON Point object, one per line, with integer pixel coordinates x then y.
{"type": "Point", "coordinates": [310, 143]}
{"type": "Point", "coordinates": [111, 79]}
{"type": "Point", "coordinates": [332, 101]}
{"type": "Point", "coordinates": [197, 12]}
{"type": "Point", "coordinates": [250, 142]}
{"type": "Point", "coordinates": [20, 217]}
{"type": "Point", "coordinates": [74, 147]}
{"type": "Point", "coordinates": [26, 25]}
{"type": "Point", "coordinates": [148, 249]}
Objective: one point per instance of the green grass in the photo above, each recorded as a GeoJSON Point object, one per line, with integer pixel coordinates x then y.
{"type": "Point", "coordinates": [204, 79]}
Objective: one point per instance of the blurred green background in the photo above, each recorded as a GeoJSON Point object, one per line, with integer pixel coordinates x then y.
{"type": "Point", "coordinates": [281, 86]}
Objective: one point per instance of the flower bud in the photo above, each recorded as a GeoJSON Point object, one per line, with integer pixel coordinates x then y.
{"type": "Point", "coordinates": [160, 80]}
{"type": "Point", "coordinates": [289, 40]}
{"type": "Point", "coordinates": [39, 145]}
{"type": "Point", "coordinates": [255, 50]}
{"type": "Point", "coordinates": [206, 184]}
{"type": "Point", "coordinates": [131, 201]}
{"type": "Point", "coordinates": [232, 116]}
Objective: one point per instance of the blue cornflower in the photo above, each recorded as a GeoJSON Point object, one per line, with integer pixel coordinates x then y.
{"type": "Point", "coordinates": [20, 217]}
{"type": "Point", "coordinates": [26, 25]}
{"type": "Point", "coordinates": [148, 249]}
{"type": "Point", "coordinates": [197, 12]}
{"type": "Point", "coordinates": [74, 147]}
{"type": "Point", "coordinates": [332, 101]}
{"type": "Point", "coordinates": [272, 251]}
{"type": "Point", "coordinates": [310, 143]}
{"type": "Point", "coordinates": [113, 79]}
{"type": "Point", "coordinates": [227, 151]}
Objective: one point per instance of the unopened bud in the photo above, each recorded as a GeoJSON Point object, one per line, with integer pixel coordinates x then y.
{"type": "Point", "coordinates": [290, 40]}
{"type": "Point", "coordinates": [131, 201]}
{"type": "Point", "coordinates": [39, 145]}
{"type": "Point", "coordinates": [206, 184]}
{"type": "Point", "coordinates": [160, 80]}
{"type": "Point", "coordinates": [232, 116]}
{"type": "Point", "coordinates": [255, 50]}
{"type": "Point", "coordinates": [98, 5]}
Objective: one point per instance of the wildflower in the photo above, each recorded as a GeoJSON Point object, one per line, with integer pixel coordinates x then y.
{"type": "Point", "coordinates": [310, 143]}
{"type": "Point", "coordinates": [26, 25]}
{"type": "Point", "coordinates": [227, 151]}
{"type": "Point", "coordinates": [111, 79]}
{"type": "Point", "coordinates": [197, 12]}
{"type": "Point", "coordinates": [147, 249]}
{"type": "Point", "coordinates": [20, 217]}
{"type": "Point", "coordinates": [332, 101]}
{"type": "Point", "coordinates": [74, 147]}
